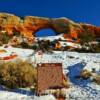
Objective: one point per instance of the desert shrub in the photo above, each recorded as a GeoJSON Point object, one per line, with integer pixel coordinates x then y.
{"type": "Point", "coordinates": [87, 35]}
{"type": "Point", "coordinates": [96, 79]}
{"type": "Point", "coordinates": [97, 48]}
{"type": "Point", "coordinates": [17, 74]}
{"type": "Point", "coordinates": [15, 33]}
{"type": "Point", "coordinates": [4, 38]}
{"type": "Point", "coordinates": [35, 47]}
{"type": "Point", "coordinates": [85, 74]}
{"type": "Point", "coordinates": [60, 95]}
{"type": "Point", "coordinates": [66, 82]}
{"type": "Point", "coordinates": [25, 45]}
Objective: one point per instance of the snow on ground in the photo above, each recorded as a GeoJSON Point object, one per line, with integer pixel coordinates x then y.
{"type": "Point", "coordinates": [19, 51]}
{"type": "Point", "coordinates": [47, 97]}
{"type": "Point", "coordinates": [73, 63]}
{"type": "Point", "coordinates": [62, 42]}
{"type": "Point", "coordinates": [51, 38]}
{"type": "Point", "coordinates": [5, 95]}
{"type": "Point", "coordinates": [22, 53]}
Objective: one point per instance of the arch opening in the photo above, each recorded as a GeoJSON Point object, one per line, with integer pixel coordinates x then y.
{"type": "Point", "coordinates": [45, 32]}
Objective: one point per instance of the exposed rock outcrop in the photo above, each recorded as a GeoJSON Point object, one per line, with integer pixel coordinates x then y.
{"type": "Point", "coordinates": [29, 25]}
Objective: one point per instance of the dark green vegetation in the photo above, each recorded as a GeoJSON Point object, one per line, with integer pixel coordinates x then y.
{"type": "Point", "coordinates": [4, 38]}
{"type": "Point", "coordinates": [16, 40]}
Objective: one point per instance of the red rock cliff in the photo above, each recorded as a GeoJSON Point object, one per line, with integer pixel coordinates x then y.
{"type": "Point", "coordinates": [29, 25]}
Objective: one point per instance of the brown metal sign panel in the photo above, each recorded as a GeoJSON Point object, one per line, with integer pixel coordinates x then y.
{"type": "Point", "coordinates": [49, 76]}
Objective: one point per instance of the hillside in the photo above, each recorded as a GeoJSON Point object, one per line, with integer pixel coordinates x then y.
{"type": "Point", "coordinates": [73, 64]}
{"type": "Point", "coordinates": [20, 32]}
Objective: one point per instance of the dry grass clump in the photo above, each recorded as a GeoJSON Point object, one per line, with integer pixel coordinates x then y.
{"type": "Point", "coordinates": [66, 82]}
{"type": "Point", "coordinates": [85, 74]}
{"type": "Point", "coordinates": [17, 74]}
{"type": "Point", "coordinates": [60, 95]}
{"type": "Point", "coordinates": [96, 79]}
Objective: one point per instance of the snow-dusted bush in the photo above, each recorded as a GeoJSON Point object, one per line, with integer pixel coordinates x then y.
{"type": "Point", "coordinates": [96, 79]}
{"type": "Point", "coordinates": [85, 74]}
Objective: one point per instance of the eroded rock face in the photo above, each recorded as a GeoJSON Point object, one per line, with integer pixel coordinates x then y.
{"type": "Point", "coordinates": [29, 25]}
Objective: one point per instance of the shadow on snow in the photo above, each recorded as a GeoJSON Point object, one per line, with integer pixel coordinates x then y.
{"type": "Point", "coordinates": [74, 71]}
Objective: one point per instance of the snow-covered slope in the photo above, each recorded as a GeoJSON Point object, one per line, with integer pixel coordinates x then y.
{"type": "Point", "coordinates": [73, 63]}
{"type": "Point", "coordinates": [51, 38]}
{"type": "Point", "coordinates": [64, 42]}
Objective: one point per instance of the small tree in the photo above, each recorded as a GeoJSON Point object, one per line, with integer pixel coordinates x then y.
{"type": "Point", "coordinates": [86, 37]}
{"type": "Point", "coordinates": [5, 38]}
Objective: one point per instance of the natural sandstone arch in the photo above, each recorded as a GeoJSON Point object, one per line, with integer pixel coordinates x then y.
{"type": "Point", "coordinates": [29, 25]}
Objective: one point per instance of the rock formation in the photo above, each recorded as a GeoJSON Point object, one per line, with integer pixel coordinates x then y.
{"type": "Point", "coordinates": [29, 25]}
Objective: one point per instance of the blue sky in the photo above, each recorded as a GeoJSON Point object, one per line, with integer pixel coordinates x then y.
{"type": "Point", "coordinates": [78, 10]}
